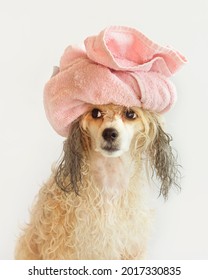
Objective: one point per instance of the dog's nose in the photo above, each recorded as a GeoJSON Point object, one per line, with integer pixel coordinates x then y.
{"type": "Point", "coordinates": [110, 134]}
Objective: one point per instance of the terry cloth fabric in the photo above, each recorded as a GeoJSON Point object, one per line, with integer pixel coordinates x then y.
{"type": "Point", "coordinates": [120, 66]}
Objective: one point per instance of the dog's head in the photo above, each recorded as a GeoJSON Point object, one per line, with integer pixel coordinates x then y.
{"type": "Point", "coordinates": [111, 131]}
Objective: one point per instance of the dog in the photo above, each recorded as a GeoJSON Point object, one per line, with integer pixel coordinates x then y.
{"type": "Point", "coordinates": [94, 205]}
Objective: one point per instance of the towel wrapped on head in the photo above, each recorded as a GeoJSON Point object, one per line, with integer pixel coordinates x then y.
{"type": "Point", "coordinates": [120, 66]}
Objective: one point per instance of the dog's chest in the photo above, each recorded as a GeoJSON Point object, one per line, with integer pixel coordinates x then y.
{"type": "Point", "coordinates": [110, 217]}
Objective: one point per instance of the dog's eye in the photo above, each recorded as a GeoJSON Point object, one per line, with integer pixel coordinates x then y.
{"type": "Point", "coordinates": [130, 114]}
{"type": "Point", "coordinates": [96, 113]}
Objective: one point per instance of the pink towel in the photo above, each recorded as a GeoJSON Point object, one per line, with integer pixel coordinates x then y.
{"type": "Point", "coordinates": [120, 66]}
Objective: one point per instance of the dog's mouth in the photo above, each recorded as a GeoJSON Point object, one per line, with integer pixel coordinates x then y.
{"type": "Point", "coordinates": [110, 150]}
{"type": "Point", "coordinates": [110, 147]}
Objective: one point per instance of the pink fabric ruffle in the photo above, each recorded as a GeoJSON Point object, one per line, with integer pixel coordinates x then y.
{"type": "Point", "coordinates": [120, 66]}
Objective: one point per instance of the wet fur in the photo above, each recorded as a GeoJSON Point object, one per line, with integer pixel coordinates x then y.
{"type": "Point", "coordinates": [74, 217]}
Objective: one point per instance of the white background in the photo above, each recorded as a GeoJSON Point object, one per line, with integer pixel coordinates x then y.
{"type": "Point", "coordinates": [33, 35]}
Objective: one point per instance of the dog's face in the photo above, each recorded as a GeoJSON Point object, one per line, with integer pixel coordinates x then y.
{"type": "Point", "coordinates": [112, 129]}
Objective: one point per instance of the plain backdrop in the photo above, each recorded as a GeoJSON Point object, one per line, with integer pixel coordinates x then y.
{"type": "Point", "coordinates": [33, 36]}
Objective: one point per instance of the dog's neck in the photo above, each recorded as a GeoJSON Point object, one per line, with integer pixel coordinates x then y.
{"type": "Point", "coordinates": [109, 173]}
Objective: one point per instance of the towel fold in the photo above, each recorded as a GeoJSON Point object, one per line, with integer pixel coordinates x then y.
{"type": "Point", "coordinates": [120, 66]}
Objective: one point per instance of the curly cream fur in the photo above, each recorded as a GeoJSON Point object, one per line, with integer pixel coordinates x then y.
{"type": "Point", "coordinates": [109, 218]}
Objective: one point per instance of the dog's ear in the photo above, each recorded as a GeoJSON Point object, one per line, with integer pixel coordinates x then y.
{"type": "Point", "coordinates": [69, 174]}
{"type": "Point", "coordinates": [163, 161]}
